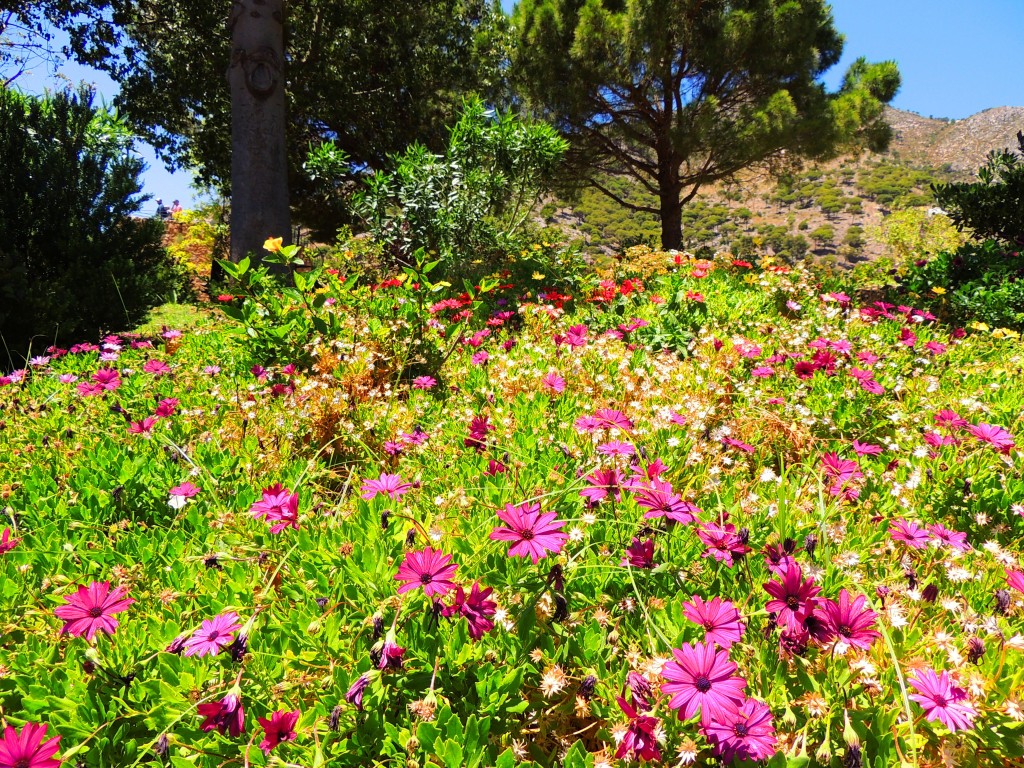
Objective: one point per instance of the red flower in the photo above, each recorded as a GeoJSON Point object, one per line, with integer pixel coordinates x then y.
{"type": "Point", "coordinates": [226, 715]}
{"type": "Point", "coordinates": [640, 741]}
{"type": "Point", "coordinates": [280, 727]}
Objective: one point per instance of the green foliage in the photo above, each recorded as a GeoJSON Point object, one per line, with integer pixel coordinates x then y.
{"type": "Point", "coordinates": [993, 207]}
{"type": "Point", "coordinates": [73, 260]}
{"type": "Point", "coordinates": [897, 185]}
{"type": "Point", "coordinates": [472, 203]}
{"type": "Point", "coordinates": [823, 235]}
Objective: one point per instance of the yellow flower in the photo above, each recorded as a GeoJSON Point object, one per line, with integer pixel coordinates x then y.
{"type": "Point", "coordinates": [979, 327]}
{"type": "Point", "coordinates": [538, 276]}
{"type": "Point", "coordinates": [1005, 333]}
{"type": "Point", "coordinates": [273, 244]}
{"type": "Point", "coordinates": [938, 290]}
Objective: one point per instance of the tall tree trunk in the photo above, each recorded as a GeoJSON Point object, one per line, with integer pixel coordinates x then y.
{"type": "Point", "coordinates": [670, 204]}
{"type": "Point", "coordinates": [259, 162]}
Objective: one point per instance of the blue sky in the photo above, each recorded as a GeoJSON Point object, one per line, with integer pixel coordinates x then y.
{"type": "Point", "coordinates": [957, 57]}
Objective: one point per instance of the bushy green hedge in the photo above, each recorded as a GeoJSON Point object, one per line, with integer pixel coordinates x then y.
{"type": "Point", "coordinates": [73, 260]}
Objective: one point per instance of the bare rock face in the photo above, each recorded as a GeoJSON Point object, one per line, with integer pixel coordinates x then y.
{"type": "Point", "coordinates": [962, 144]}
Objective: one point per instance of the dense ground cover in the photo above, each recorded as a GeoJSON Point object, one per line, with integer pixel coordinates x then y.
{"type": "Point", "coordinates": [698, 510]}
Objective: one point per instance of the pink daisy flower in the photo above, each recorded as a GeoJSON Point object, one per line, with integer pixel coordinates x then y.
{"type": "Point", "coordinates": [427, 568]}
{"type": "Point", "coordinates": [424, 382]}
{"type": "Point", "coordinates": [144, 427]}
{"type": "Point", "coordinates": [278, 728]}
{"type": "Point", "coordinates": [534, 534]}
{"type": "Point", "coordinates": [640, 741]}
{"type": "Point", "coordinates": [92, 609]}
{"type": "Point", "coordinates": [849, 621]}
{"type": "Point", "coordinates": [226, 715]}
{"type": "Point", "coordinates": [746, 733]}
{"type": "Point", "coordinates": [793, 598]}
{"type": "Point", "coordinates": [1015, 580]}
{"type": "Point", "coordinates": [28, 749]}
{"type": "Point", "coordinates": [279, 506]}
{"type": "Point", "coordinates": [639, 554]}
{"type": "Point", "coordinates": [941, 700]}
{"type": "Point", "coordinates": [475, 607]}
{"type": "Point", "coordinates": [657, 497]}
{"type": "Point", "coordinates": [553, 383]}
{"type": "Point", "coordinates": [909, 533]}
{"type": "Point", "coordinates": [391, 486]}
{"type": "Point", "coordinates": [213, 635]}
{"type": "Point", "coordinates": [720, 619]}
{"type": "Point", "coordinates": [995, 436]}
{"type": "Point", "coordinates": [701, 679]}
{"type": "Point", "coordinates": [941, 536]}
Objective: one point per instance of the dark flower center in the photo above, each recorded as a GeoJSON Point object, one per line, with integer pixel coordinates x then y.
{"type": "Point", "coordinates": [426, 578]}
{"type": "Point", "coordinates": [792, 602]}
{"type": "Point", "coordinates": [23, 763]}
{"type": "Point", "coordinates": [844, 630]}
{"type": "Point", "coordinates": [703, 684]}
{"type": "Point", "coordinates": [213, 635]}
{"type": "Point", "coordinates": [96, 612]}
{"type": "Point", "coordinates": [740, 729]}
{"type": "Point", "coordinates": [940, 700]}
{"type": "Point", "coordinates": [526, 535]}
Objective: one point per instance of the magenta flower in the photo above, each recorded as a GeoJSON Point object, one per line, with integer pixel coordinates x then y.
{"type": "Point", "coordinates": [107, 378]}
{"type": "Point", "coordinates": [941, 700]}
{"type": "Point", "coordinates": [639, 554]}
{"type": "Point", "coordinates": [942, 536]}
{"type": "Point", "coordinates": [909, 533]}
{"type": "Point", "coordinates": [995, 436]}
{"type": "Point", "coordinates": [475, 607]}
{"type": "Point", "coordinates": [387, 654]}
{"type": "Point", "coordinates": [166, 408]}
{"type": "Point", "coordinates": [745, 733]}
{"type": "Point", "coordinates": [849, 621]}
{"type": "Point", "coordinates": [604, 418]}
{"type": "Point", "coordinates": [179, 494]}
{"type": "Point", "coordinates": [720, 619]}
{"type": "Point", "coordinates": [553, 383]}
{"type": "Point", "coordinates": [616, 448]}
{"type": "Point", "coordinates": [156, 367]}
{"type": "Point", "coordinates": [640, 741]}
{"type": "Point", "coordinates": [602, 483]}
{"type": "Point", "coordinates": [144, 427]}
{"type": "Point", "coordinates": [657, 497]}
{"type": "Point", "coordinates": [279, 506]}
{"type": "Point", "coordinates": [478, 429]}
{"type": "Point", "coordinates": [280, 727]}
{"type": "Point", "coordinates": [213, 635]}
{"type": "Point", "coordinates": [28, 748]}
{"type": "Point", "coordinates": [950, 420]}
{"type": "Point", "coordinates": [427, 568]}
{"type": "Point", "coordinates": [793, 598]}
{"type": "Point", "coordinates": [842, 472]}
{"type": "Point", "coordinates": [1015, 580]}
{"type": "Point", "coordinates": [702, 679]}
{"type": "Point", "coordinates": [391, 486]}
{"type": "Point", "coordinates": [92, 609]}
{"type": "Point", "coordinates": [723, 543]}
{"type": "Point", "coordinates": [6, 542]}
{"type": "Point", "coordinates": [534, 534]}
{"type": "Point", "coordinates": [424, 382]}
{"type": "Point", "coordinates": [226, 715]}
{"type": "Point", "coordinates": [866, 449]}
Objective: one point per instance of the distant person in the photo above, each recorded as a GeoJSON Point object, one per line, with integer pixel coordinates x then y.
{"type": "Point", "coordinates": [161, 210]}
{"type": "Point", "coordinates": [176, 207]}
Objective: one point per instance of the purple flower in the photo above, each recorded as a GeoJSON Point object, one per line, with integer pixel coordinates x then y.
{"type": "Point", "coordinates": [941, 700]}
{"type": "Point", "coordinates": [424, 382]}
{"type": "Point", "coordinates": [387, 654]}
{"type": "Point", "coordinates": [723, 543]}
{"type": "Point", "coordinates": [355, 692]}
{"type": "Point", "coordinates": [745, 733]}
{"type": "Point", "coordinates": [427, 568]}
{"type": "Point", "coordinates": [639, 554]}
{"type": "Point", "coordinates": [602, 483]}
{"type": "Point", "coordinates": [657, 497]}
{"type": "Point", "coordinates": [213, 635]}
{"type": "Point", "coordinates": [702, 679]}
{"type": "Point", "coordinates": [534, 534]}
{"type": "Point", "coordinates": [908, 532]}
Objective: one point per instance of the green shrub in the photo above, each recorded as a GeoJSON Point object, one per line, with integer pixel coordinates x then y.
{"type": "Point", "coordinates": [472, 203]}
{"type": "Point", "coordinates": [73, 260]}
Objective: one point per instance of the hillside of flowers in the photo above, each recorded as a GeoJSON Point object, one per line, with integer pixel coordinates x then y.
{"type": "Point", "coordinates": [689, 513]}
